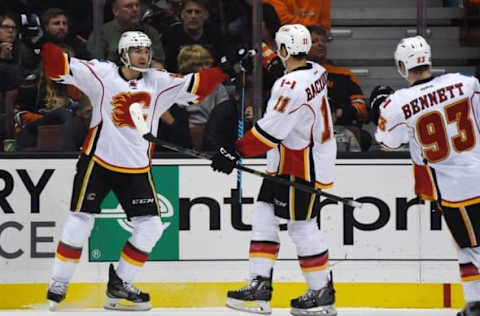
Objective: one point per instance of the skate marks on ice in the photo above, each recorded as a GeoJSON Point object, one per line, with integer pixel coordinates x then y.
{"type": "Point", "coordinates": [226, 312]}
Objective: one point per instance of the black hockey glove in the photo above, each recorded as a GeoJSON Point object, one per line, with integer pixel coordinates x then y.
{"type": "Point", "coordinates": [377, 97]}
{"type": "Point", "coordinates": [241, 61]}
{"type": "Point", "coordinates": [275, 68]}
{"type": "Point", "coordinates": [224, 160]}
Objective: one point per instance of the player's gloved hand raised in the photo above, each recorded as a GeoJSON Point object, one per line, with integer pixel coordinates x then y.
{"type": "Point", "coordinates": [275, 68]}
{"type": "Point", "coordinates": [224, 160]}
{"type": "Point", "coordinates": [241, 61]}
{"type": "Point", "coordinates": [377, 97]}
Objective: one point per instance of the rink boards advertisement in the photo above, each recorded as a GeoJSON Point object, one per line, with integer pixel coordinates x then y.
{"type": "Point", "coordinates": [393, 245]}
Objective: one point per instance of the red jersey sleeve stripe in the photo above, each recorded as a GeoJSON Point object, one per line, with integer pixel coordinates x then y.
{"type": "Point", "coordinates": [255, 142]}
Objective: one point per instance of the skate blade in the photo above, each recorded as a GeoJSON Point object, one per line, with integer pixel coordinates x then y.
{"type": "Point", "coordinates": [327, 310]}
{"type": "Point", "coordinates": [118, 304]}
{"type": "Point", "coordinates": [256, 307]}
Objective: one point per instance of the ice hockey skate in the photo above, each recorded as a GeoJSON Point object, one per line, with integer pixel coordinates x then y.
{"type": "Point", "coordinates": [253, 298]}
{"type": "Point", "coordinates": [470, 309]}
{"type": "Point", "coordinates": [315, 302]}
{"type": "Point", "coordinates": [56, 293]}
{"type": "Point", "coordinates": [118, 290]}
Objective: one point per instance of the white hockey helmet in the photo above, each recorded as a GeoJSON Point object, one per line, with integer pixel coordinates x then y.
{"type": "Point", "coordinates": [412, 52]}
{"type": "Point", "coordinates": [295, 38]}
{"type": "Point", "coordinates": [133, 39]}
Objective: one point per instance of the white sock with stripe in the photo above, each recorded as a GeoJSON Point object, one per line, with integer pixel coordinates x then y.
{"type": "Point", "coordinates": [312, 252]}
{"type": "Point", "coordinates": [148, 230]}
{"type": "Point", "coordinates": [76, 230]}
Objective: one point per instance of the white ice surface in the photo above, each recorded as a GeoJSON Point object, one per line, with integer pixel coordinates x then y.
{"type": "Point", "coordinates": [228, 312]}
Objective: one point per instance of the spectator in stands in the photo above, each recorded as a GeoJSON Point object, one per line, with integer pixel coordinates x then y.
{"type": "Point", "coordinates": [58, 111]}
{"type": "Point", "coordinates": [222, 125]}
{"type": "Point", "coordinates": [11, 80]}
{"type": "Point", "coordinates": [173, 128]}
{"type": "Point", "coordinates": [345, 139]}
{"type": "Point", "coordinates": [344, 92]}
{"type": "Point", "coordinates": [56, 27]}
{"type": "Point", "coordinates": [126, 17]}
{"type": "Point", "coordinates": [175, 7]}
{"type": "Point", "coordinates": [161, 16]}
{"type": "Point", "coordinates": [237, 21]}
{"type": "Point", "coordinates": [194, 58]}
{"type": "Point", "coordinates": [11, 73]}
{"type": "Point", "coordinates": [75, 129]}
{"type": "Point", "coordinates": [306, 12]}
{"type": "Point", "coordinates": [193, 30]}
{"type": "Point", "coordinates": [272, 65]}
{"type": "Point", "coordinates": [9, 41]}
{"type": "Point", "coordinates": [48, 108]}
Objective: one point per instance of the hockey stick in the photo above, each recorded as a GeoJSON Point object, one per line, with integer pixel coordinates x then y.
{"type": "Point", "coordinates": [139, 122]}
{"type": "Point", "coordinates": [241, 122]}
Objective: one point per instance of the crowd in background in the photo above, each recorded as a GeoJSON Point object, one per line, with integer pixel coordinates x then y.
{"type": "Point", "coordinates": [37, 114]}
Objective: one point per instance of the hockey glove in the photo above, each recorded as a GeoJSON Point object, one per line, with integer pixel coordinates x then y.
{"type": "Point", "coordinates": [271, 62]}
{"type": "Point", "coordinates": [241, 61]}
{"type": "Point", "coordinates": [224, 160]}
{"type": "Point", "coordinates": [377, 97]}
{"type": "Point", "coordinates": [275, 68]}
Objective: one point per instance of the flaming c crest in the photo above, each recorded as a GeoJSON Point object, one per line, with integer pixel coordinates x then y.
{"type": "Point", "coordinates": [121, 103]}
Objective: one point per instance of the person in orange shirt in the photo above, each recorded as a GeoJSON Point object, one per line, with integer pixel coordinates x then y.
{"type": "Point", "coordinates": [306, 12]}
{"type": "Point", "coordinates": [344, 92]}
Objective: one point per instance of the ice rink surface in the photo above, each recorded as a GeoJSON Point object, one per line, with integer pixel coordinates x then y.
{"type": "Point", "coordinates": [229, 312]}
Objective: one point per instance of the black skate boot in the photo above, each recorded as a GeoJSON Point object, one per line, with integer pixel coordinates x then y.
{"type": "Point", "coordinates": [118, 290]}
{"type": "Point", "coordinates": [470, 309]}
{"type": "Point", "coordinates": [253, 298]}
{"type": "Point", "coordinates": [315, 302]}
{"type": "Point", "coordinates": [56, 293]}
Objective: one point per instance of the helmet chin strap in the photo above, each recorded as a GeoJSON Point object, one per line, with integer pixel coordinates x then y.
{"type": "Point", "coordinates": [284, 59]}
{"type": "Point", "coordinates": [127, 63]}
{"type": "Point", "coordinates": [138, 69]}
{"type": "Point", "coordinates": [403, 74]}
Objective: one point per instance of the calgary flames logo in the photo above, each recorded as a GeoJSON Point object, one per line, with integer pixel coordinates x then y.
{"type": "Point", "coordinates": [122, 101]}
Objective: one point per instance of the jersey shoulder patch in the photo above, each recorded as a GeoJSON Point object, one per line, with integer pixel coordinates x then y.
{"type": "Point", "coordinates": [287, 83]}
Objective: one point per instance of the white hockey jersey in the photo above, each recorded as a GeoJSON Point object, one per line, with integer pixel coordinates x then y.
{"type": "Point", "coordinates": [112, 139]}
{"type": "Point", "coordinates": [438, 118]}
{"type": "Point", "coordinates": [296, 130]}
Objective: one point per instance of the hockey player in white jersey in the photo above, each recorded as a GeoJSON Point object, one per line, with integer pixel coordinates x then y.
{"type": "Point", "coordinates": [297, 135]}
{"type": "Point", "coordinates": [438, 118]}
{"type": "Point", "coordinates": [116, 157]}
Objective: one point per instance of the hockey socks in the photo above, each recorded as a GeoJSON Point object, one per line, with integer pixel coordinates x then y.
{"type": "Point", "coordinates": [148, 230]}
{"type": "Point", "coordinates": [132, 260]}
{"type": "Point", "coordinates": [75, 232]}
{"type": "Point", "coordinates": [263, 255]}
{"type": "Point", "coordinates": [470, 276]}
{"type": "Point", "coordinates": [315, 269]}
{"type": "Point", "coordinates": [66, 259]}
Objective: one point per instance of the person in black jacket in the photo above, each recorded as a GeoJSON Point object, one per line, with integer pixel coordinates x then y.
{"type": "Point", "coordinates": [193, 30]}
